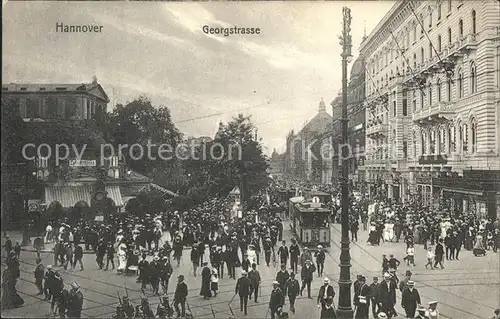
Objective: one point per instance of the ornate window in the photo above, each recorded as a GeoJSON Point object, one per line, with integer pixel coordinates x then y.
{"type": "Point", "coordinates": [430, 18]}
{"type": "Point", "coordinates": [421, 17]}
{"type": "Point", "coordinates": [473, 135]}
{"type": "Point", "coordinates": [429, 90]}
{"type": "Point", "coordinates": [430, 49]}
{"type": "Point", "coordinates": [449, 36]}
{"type": "Point", "coordinates": [448, 91]}
{"type": "Point", "coordinates": [460, 84]}
{"type": "Point", "coordinates": [421, 100]}
{"type": "Point", "coordinates": [452, 139]}
{"type": "Point", "coordinates": [424, 143]}
{"type": "Point", "coordinates": [464, 137]}
{"type": "Point", "coordinates": [439, 8]}
{"type": "Point", "coordinates": [422, 55]}
{"type": "Point", "coordinates": [473, 22]}
{"type": "Point", "coordinates": [439, 43]}
{"type": "Point", "coordinates": [432, 142]}
{"type": "Point", "coordinates": [414, 31]}
{"type": "Point", "coordinates": [414, 148]}
{"type": "Point", "coordinates": [442, 140]}
{"type": "Point", "coordinates": [438, 88]}
{"type": "Point", "coordinates": [473, 78]}
{"type": "Point", "coordinates": [461, 28]}
{"type": "Point", "coordinates": [449, 5]}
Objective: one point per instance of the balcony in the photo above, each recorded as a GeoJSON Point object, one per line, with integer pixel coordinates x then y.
{"type": "Point", "coordinates": [439, 113]}
{"type": "Point", "coordinates": [377, 130]}
{"type": "Point", "coordinates": [441, 159]}
{"type": "Point", "coordinates": [462, 46]}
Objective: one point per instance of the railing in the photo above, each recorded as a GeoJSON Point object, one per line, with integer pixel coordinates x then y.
{"type": "Point", "coordinates": [377, 128]}
{"type": "Point", "coordinates": [433, 111]}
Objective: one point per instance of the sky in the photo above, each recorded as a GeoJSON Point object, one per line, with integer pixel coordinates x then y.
{"type": "Point", "coordinates": [160, 50]}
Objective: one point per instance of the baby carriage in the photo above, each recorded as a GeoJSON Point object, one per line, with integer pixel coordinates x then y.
{"type": "Point", "coordinates": [478, 247]}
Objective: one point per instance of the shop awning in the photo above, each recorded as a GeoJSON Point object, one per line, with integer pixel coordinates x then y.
{"type": "Point", "coordinates": [463, 191]}
{"type": "Point", "coordinates": [115, 194]}
{"type": "Point", "coordinates": [68, 196]}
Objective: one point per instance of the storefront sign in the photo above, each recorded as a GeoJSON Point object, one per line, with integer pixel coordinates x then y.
{"type": "Point", "coordinates": [82, 163]}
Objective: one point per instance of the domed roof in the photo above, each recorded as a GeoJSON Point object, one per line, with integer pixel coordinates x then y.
{"type": "Point", "coordinates": [358, 68]}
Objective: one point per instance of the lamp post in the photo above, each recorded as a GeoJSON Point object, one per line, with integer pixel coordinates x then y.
{"type": "Point", "coordinates": [345, 310]}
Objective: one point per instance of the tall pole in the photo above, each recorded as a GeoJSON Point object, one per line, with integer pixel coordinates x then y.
{"type": "Point", "coordinates": [345, 310]}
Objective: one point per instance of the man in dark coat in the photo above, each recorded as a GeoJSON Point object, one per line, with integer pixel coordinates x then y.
{"type": "Point", "coordinates": [326, 291]}
{"type": "Point", "coordinates": [439, 253]}
{"type": "Point", "coordinates": [283, 253]}
{"type": "Point", "coordinates": [362, 300]}
{"type": "Point", "coordinates": [255, 280]}
{"type": "Point", "coordinates": [75, 301]}
{"type": "Point", "coordinates": [328, 310]}
{"type": "Point", "coordinates": [206, 274]}
{"type": "Point", "coordinates": [195, 258]}
{"type": "Point", "coordinates": [243, 286]}
{"type": "Point", "coordinates": [165, 273]}
{"type": "Point", "coordinates": [387, 296]}
{"type": "Point", "coordinates": [276, 300]}
{"type": "Point", "coordinates": [374, 289]}
{"type": "Point", "coordinates": [218, 262]}
{"type": "Point", "coordinates": [294, 255]}
{"type": "Point", "coordinates": [292, 288]}
{"type": "Point", "coordinates": [78, 255]}
{"type": "Point", "coordinates": [39, 274]}
{"type": "Point", "coordinates": [282, 276]}
{"type": "Point", "coordinates": [180, 296]}
{"type": "Point", "coordinates": [307, 274]}
{"type": "Point", "coordinates": [144, 272]}
{"type": "Point", "coordinates": [410, 299]}
{"type": "Point", "coordinates": [320, 260]}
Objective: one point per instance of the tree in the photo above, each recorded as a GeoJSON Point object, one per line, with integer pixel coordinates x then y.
{"type": "Point", "coordinates": [13, 133]}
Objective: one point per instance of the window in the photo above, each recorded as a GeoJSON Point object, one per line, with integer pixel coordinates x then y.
{"type": "Point", "coordinates": [473, 135]}
{"type": "Point", "coordinates": [473, 22]}
{"type": "Point", "coordinates": [405, 103]}
{"type": "Point", "coordinates": [405, 149]}
{"type": "Point", "coordinates": [414, 32]}
{"type": "Point", "coordinates": [33, 108]}
{"type": "Point", "coordinates": [432, 142]}
{"type": "Point", "coordinates": [464, 137]}
{"type": "Point", "coordinates": [394, 108]}
{"type": "Point", "coordinates": [438, 93]}
{"type": "Point", "coordinates": [70, 110]}
{"type": "Point", "coordinates": [449, 5]}
{"type": "Point", "coordinates": [422, 55]}
{"type": "Point", "coordinates": [430, 49]}
{"type": "Point", "coordinates": [449, 36]}
{"type": "Point", "coordinates": [414, 105]}
{"type": "Point", "coordinates": [442, 140]}
{"type": "Point", "coordinates": [461, 28]}
{"type": "Point", "coordinates": [430, 18]}
{"type": "Point", "coordinates": [421, 17]}
{"type": "Point", "coordinates": [448, 90]}
{"type": "Point", "coordinates": [424, 143]}
{"type": "Point", "coordinates": [439, 8]}
{"type": "Point", "coordinates": [451, 139]}
{"type": "Point", "coordinates": [421, 100]}
{"type": "Point", "coordinates": [414, 60]}
{"type": "Point", "coordinates": [473, 78]}
{"type": "Point", "coordinates": [430, 94]}
{"type": "Point", "coordinates": [460, 84]}
{"type": "Point", "coordinates": [414, 140]}
{"type": "Point", "coordinates": [439, 43]}
{"type": "Point", "coordinates": [51, 105]}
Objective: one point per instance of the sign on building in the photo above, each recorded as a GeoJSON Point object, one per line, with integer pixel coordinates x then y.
{"type": "Point", "coordinates": [82, 163]}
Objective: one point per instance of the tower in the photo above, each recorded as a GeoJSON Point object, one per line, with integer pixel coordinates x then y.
{"type": "Point", "coordinates": [322, 106]}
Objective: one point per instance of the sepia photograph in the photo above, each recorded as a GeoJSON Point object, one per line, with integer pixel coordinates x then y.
{"type": "Point", "coordinates": [250, 159]}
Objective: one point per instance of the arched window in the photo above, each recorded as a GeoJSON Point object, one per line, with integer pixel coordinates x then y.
{"type": "Point", "coordinates": [473, 22]}
{"type": "Point", "coordinates": [473, 78]}
{"type": "Point", "coordinates": [414, 60]}
{"type": "Point", "coordinates": [430, 49]}
{"type": "Point", "coordinates": [461, 28]}
{"type": "Point", "coordinates": [449, 36]}
{"type": "Point", "coordinates": [421, 17]}
{"type": "Point", "coordinates": [464, 137]}
{"type": "Point", "coordinates": [452, 139]}
{"type": "Point", "coordinates": [442, 140]}
{"type": "Point", "coordinates": [422, 55]}
{"type": "Point", "coordinates": [439, 8]}
{"type": "Point", "coordinates": [394, 151]}
{"type": "Point", "coordinates": [448, 91]}
{"type": "Point", "coordinates": [421, 100]}
{"type": "Point", "coordinates": [429, 92]}
{"type": "Point", "coordinates": [438, 88]}
{"type": "Point", "coordinates": [424, 143]}
{"type": "Point", "coordinates": [414, 31]}
{"type": "Point", "coordinates": [460, 84]}
{"type": "Point", "coordinates": [449, 5]}
{"type": "Point", "coordinates": [473, 135]}
{"type": "Point", "coordinates": [430, 17]}
{"type": "Point", "coordinates": [439, 47]}
{"type": "Point", "coordinates": [432, 142]}
{"type": "Point", "coordinates": [414, 147]}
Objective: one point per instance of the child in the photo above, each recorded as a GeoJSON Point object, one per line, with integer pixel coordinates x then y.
{"type": "Point", "coordinates": [17, 250]}
{"type": "Point", "coordinates": [214, 282]}
{"type": "Point", "coordinates": [410, 255]}
{"type": "Point", "coordinates": [430, 258]}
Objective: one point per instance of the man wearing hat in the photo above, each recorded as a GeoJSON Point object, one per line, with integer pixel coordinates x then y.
{"type": "Point", "coordinates": [381, 315]}
{"type": "Point", "coordinates": [282, 276]}
{"type": "Point", "coordinates": [127, 307]}
{"type": "Point", "coordinates": [283, 253]}
{"type": "Point", "coordinates": [320, 260]}
{"type": "Point", "coordinates": [195, 258]}
{"type": "Point", "coordinates": [39, 274]}
{"type": "Point", "coordinates": [410, 299]}
{"type": "Point", "coordinates": [306, 255]}
{"type": "Point", "coordinates": [294, 255]}
{"type": "Point", "coordinates": [292, 288]}
{"type": "Point", "coordinates": [154, 275]}
{"type": "Point", "coordinates": [307, 274]}
{"type": "Point", "coordinates": [180, 295]}
{"type": "Point", "coordinates": [362, 299]}
{"type": "Point", "coordinates": [434, 313]}
{"type": "Point", "coordinates": [243, 286]}
{"type": "Point", "coordinates": [328, 311]}
{"type": "Point", "coordinates": [421, 313]}
{"type": "Point", "coordinates": [374, 289]}
{"type": "Point", "coordinates": [387, 295]}
{"type": "Point", "coordinates": [75, 301]}
{"type": "Point", "coordinates": [268, 248]}
{"type": "Point", "coordinates": [276, 300]}
{"type": "Point", "coordinates": [326, 291]}
{"type": "Point", "coordinates": [403, 284]}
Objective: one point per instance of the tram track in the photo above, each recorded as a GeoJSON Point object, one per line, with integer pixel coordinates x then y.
{"type": "Point", "coordinates": [423, 285]}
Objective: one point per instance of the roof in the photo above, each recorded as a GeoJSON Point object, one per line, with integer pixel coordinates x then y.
{"type": "Point", "coordinates": [305, 207]}
{"type": "Point", "coordinates": [318, 123]}
{"type": "Point", "coordinates": [50, 87]}
{"type": "Point", "coordinates": [358, 68]}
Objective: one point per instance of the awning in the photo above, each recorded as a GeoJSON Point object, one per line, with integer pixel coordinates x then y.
{"type": "Point", "coordinates": [160, 189]}
{"type": "Point", "coordinates": [115, 194]}
{"type": "Point", "coordinates": [463, 191]}
{"type": "Point", "coordinates": [68, 196]}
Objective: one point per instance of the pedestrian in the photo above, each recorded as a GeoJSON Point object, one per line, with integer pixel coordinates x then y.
{"type": "Point", "coordinates": [292, 288]}
{"type": "Point", "coordinates": [410, 256]}
{"type": "Point", "coordinates": [326, 291]}
{"type": "Point", "coordinates": [110, 256]}
{"type": "Point", "coordinates": [283, 253]}
{"type": "Point", "coordinates": [393, 262]}
{"type": "Point", "coordinates": [362, 300]}
{"type": "Point", "coordinates": [10, 297]}
{"type": "Point", "coordinates": [75, 301]}
{"type": "Point", "coordinates": [430, 258]}
{"type": "Point", "coordinates": [354, 230]}
{"type": "Point", "coordinates": [268, 248]}
{"type": "Point", "coordinates": [422, 313]}
{"type": "Point", "coordinates": [57, 290]}
{"type": "Point", "coordinates": [328, 310]}
{"type": "Point", "coordinates": [144, 272]}
{"type": "Point", "coordinates": [205, 281]}
{"type": "Point", "coordinates": [180, 295]}
{"type": "Point", "coordinates": [69, 256]}
{"type": "Point", "coordinates": [276, 300]}
{"type": "Point", "coordinates": [214, 282]}
{"type": "Point", "coordinates": [305, 256]}
{"type": "Point", "coordinates": [48, 233]}
{"type": "Point", "coordinates": [7, 245]}
{"type": "Point", "coordinates": [101, 250]}
{"type": "Point", "coordinates": [78, 255]}
{"type": "Point", "coordinates": [403, 284]}
{"type": "Point", "coordinates": [218, 262]}
{"type": "Point", "coordinates": [282, 276]}
{"type": "Point", "coordinates": [255, 280]}
{"type": "Point", "coordinates": [387, 296]}
{"type": "Point", "coordinates": [320, 260]}
{"type": "Point", "coordinates": [165, 273]}
{"type": "Point", "coordinates": [17, 250]}
{"type": "Point", "coordinates": [434, 313]}
{"type": "Point", "coordinates": [439, 253]}
{"type": "Point", "coordinates": [374, 290]}
{"type": "Point", "coordinates": [243, 290]}
{"type": "Point", "coordinates": [195, 258]}
{"type": "Point", "coordinates": [154, 275]}
{"type": "Point", "coordinates": [294, 255]}
{"type": "Point", "coordinates": [48, 282]}
{"type": "Point", "coordinates": [410, 299]}
{"type": "Point", "coordinates": [307, 274]}
{"type": "Point", "coordinates": [39, 275]}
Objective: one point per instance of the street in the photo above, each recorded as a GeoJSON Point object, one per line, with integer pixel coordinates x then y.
{"type": "Point", "coordinates": [468, 288]}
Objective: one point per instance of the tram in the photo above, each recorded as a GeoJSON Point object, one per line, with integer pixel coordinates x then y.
{"type": "Point", "coordinates": [310, 222]}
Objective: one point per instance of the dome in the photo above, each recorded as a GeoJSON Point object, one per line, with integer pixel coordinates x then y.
{"type": "Point", "coordinates": [358, 68]}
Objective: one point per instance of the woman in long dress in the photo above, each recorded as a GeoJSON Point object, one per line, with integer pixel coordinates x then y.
{"type": "Point", "coordinates": [122, 257]}
{"type": "Point", "coordinates": [478, 246]}
{"type": "Point", "coordinates": [10, 297]}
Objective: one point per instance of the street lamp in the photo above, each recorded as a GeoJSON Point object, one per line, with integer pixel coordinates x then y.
{"type": "Point", "coordinates": [345, 310]}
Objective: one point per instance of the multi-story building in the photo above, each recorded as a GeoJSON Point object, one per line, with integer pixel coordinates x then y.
{"type": "Point", "coordinates": [433, 112]}
{"type": "Point", "coordinates": [68, 115]}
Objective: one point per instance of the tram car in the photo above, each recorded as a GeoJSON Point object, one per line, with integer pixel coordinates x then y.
{"type": "Point", "coordinates": [284, 194]}
{"type": "Point", "coordinates": [324, 198]}
{"type": "Point", "coordinates": [310, 222]}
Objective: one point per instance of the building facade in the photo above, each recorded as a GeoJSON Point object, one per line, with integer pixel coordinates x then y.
{"type": "Point", "coordinates": [432, 105]}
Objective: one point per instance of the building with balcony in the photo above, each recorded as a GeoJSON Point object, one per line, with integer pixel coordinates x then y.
{"type": "Point", "coordinates": [86, 177]}
{"type": "Point", "coordinates": [433, 92]}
